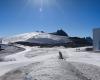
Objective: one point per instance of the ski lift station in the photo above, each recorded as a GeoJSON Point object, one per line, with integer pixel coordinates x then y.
{"type": "Point", "coordinates": [96, 39]}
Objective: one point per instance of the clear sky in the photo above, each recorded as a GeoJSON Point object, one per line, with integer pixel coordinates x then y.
{"type": "Point", "coordinates": [76, 17]}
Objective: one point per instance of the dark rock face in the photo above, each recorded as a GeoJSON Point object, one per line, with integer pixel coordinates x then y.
{"type": "Point", "coordinates": [60, 33]}
{"type": "Point", "coordinates": [79, 42]}
{"type": "Point", "coordinates": [0, 48]}
{"type": "Point", "coordinates": [89, 40]}
{"type": "Point", "coordinates": [44, 45]}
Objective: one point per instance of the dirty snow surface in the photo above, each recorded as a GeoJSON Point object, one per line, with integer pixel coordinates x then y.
{"type": "Point", "coordinates": [43, 64]}
{"type": "Point", "coordinates": [8, 50]}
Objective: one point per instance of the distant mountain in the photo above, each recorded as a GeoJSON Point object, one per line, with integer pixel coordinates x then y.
{"type": "Point", "coordinates": [38, 38]}
{"type": "Point", "coordinates": [59, 38]}
{"type": "Point", "coordinates": [60, 33]}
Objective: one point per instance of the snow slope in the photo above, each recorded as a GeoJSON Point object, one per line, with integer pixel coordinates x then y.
{"type": "Point", "coordinates": [8, 50]}
{"type": "Point", "coordinates": [20, 37]}
{"type": "Point", "coordinates": [50, 68]}
{"type": "Point", "coordinates": [22, 60]}
{"type": "Point", "coordinates": [45, 38]}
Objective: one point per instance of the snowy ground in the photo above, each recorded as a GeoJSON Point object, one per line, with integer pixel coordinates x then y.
{"type": "Point", "coordinates": [43, 64]}
{"type": "Point", "coordinates": [9, 50]}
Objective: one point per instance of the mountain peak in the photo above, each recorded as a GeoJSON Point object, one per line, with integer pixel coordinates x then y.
{"type": "Point", "coordinates": [60, 32]}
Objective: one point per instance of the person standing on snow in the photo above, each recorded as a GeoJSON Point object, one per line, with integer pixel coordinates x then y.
{"type": "Point", "coordinates": [60, 55]}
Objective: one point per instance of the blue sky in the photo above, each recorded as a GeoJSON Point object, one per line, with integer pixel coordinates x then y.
{"type": "Point", "coordinates": [76, 17]}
